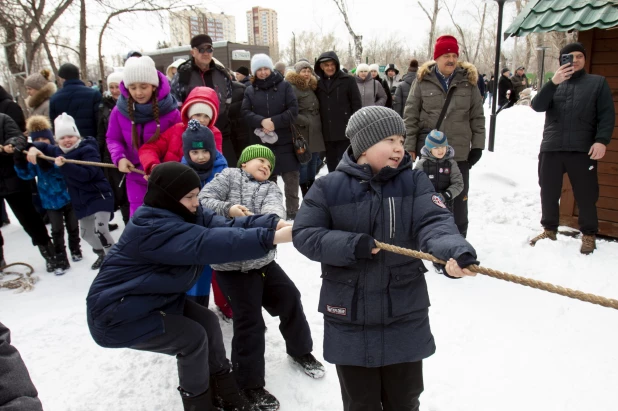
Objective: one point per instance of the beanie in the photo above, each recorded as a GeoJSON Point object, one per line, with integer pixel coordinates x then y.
{"type": "Point", "coordinates": [280, 65]}
{"type": "Point", "coordinates": [115, 77]}
{"type": "Point", "coordinates": [168, 184]}
{"type": "Point", "coordinates": [301, 65]}
{"type": "Point", "coordinates": [435, 139]}
{"type": "Point", "coordinates": [39, 127]}
{"type": "Point", "coordinates": [132, 53]}
{"type": "Point", "coordinates": [198, 137]}
{"type": "Point", "coordinates": [243, 70]}
{"type": "Point", "coordinates": [444, 45]}
{"type": "Point", "coordinates": [257, 151]}
{"type": "Point", "coordinates": [370, 125]}
{"type": "Point", "coordinates": [362, 67]}
{"type": "Point", "coordinates": [374, 67]}
{"type": "Point", "coordinates": [68, 71]}
{"type": "Point", "coordinates": [504, 70]}
{"type": "Point", "coordinates": [199, 108]}
{"type": "Point", "coordinates": [259, 61]}
{"type": "Point", "coordinates": [571, 47]}
{"type": "Point", "coordinates": [37, 80]}
{"type": "Point", "coordinates": [140, 70]}
{"type": "Point", "coordinates": [200, 39]}
{"type": "Point", "coordinates": [64, 125]}
{"type": "Point", "coordinates": [413, 63]}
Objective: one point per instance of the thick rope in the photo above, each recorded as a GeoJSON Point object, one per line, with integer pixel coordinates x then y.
{"type": "Point", "coordinates": [88, 163]}
{"type": "Point", "coordinates": [23, 282]}
{"type": "Point", "coordinates": [528, 282]}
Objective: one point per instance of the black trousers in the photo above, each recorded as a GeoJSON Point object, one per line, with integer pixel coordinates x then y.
{"type": "Point", "coordinates": [582, 172]}
{"type": "Point", "coordinates": [334, 153]}
{"type": "Point", "coordinates": [391, 388]}
{"type": "Point", "coordinates": [58, 218]}
{"type": "Point", "coordinates": [460, 204]}
{"type": "Point", "coordinates": [119, 186]}
{"type": "Point", "coordinates": [271, 288]}
{"type": "Point", "coordinates": [30, 220]}
{"type": "Point", "coordinates": [195, 339]}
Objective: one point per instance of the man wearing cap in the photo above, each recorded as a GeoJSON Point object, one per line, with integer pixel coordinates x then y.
{"type": "Point", "coordinates": [506, 96]}
{"type": "Point", "coordinates": [202, 70]}
{"type": "Point", "coordinates": [520, 81]}
{"type": "Point", "coordinates": [464, 122]}
{"type": "Point", "coordinates": [339, 98]}
{"type": "Point", "coordinates": [77, 100]}
{"type": "Point", "coordinates": [579, 122]}
{"type": "Point", "coordinates": [242, 75]}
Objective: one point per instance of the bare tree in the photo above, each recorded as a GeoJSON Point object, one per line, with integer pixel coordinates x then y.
{"type": "Point", "coordinates": [387, 50]}
{"type": "Point", "coordinates": [358, 40]}
{"type": "Point", "coordinates": [83, 68]}
{"type": "Point", "coordinates": [461, 34]}
{"type": "Point", "coordinates": [310, 45]}
{"type": "Point", "coordinates": [433, 19]}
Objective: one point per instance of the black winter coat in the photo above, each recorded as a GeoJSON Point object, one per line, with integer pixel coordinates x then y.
{"type": "Point", "coordinates": [339, 98]}
{"type": "Point", "coordinates": [275, 99]}
{"type": "Point", "coordinates": [9, 182]}
{"type": "Point", "coordinates": [387, 90]}
{"type": "Point", "coordinates": [105, 109]}
{"type": "Point", "coordinates": [239, 129]}
{"type": "Point", "coordinates": [579, 113]}
{"type": "Point", "coordinates": [80, 102]}
{"type": "Point", "coordinates": [504, 85]}
{"type": "Point", "coordinates": [375, 307]}
{"type": "Point", "coordinates": [9, 107]}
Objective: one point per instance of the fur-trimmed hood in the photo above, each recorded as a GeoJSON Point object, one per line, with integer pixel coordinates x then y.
{"type": "Point", "coordinates": [42, 95]}
{"type": "Point", "coordinates": [299, 82]}
{"type": "Point", "coordinates": [468, 70]}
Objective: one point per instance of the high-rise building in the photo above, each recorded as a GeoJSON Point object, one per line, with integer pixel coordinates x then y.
{"type": "Point", "coordinates": [188, 23]}
{"type": "Point", "coordinates": [262, 29]}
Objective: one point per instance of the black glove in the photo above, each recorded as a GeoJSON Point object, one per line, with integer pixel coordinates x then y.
{"type": "Point", "coordinates": [364, 246]}
{"type": "Point", "coordinates": [447, 195]}
{"type": "Point", "coordinates": [474, 156]}
{"type": "Point", "coordinates": [466, 259]}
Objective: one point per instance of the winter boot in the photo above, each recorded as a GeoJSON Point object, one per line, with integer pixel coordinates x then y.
{"type": "Point", "coordinates": [309, 365]}
{"type": "Point", "coordinates": [48, 252]}
{"type": "Point", "coordinates": [97, 264]}
{"type": "Point", "coordinates": [227, 396]}
{"type": "Point", "coordinates": [62, 263]}
{"type": "Point", "coordinates": [261, 398]}
{"type": "Point", "coordinates": [304, 188]}
{"type": "Point", "coordinates": [589, 244]}
{"type": "Point", "coordinates": [551, 234]}
{"type": "Point", "coordinates": [202, 402]}
{"type": "Point", "coordinates": [76, 255]}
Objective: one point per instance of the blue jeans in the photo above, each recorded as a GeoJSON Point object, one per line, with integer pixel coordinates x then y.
{"type": "Point", "coordinates": [309, 170]}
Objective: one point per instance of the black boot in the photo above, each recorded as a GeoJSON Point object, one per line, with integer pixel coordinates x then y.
{"type": "Point", "coordinates": [97, 264]}
{"type": "Point", "coordinates": [48, 253]}
{"type": "Point", "coordinates": [62, 263]}
{"type": "Point", "coordinates": [76, 254]}
{"type": "Point", "coordinates": [304, 188]}
{"type": "Point", "coordinates": [202, 402]}
{"type": "Point", "coordinates": [227, 396]}
{"type": "Point", "coordinates": [2, 262]}
{"type": "Point", "coordinates": [261, 398]}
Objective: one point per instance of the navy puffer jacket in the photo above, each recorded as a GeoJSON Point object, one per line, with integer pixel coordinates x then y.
{"type": "Point", "coordinates": [158, 258]}
{"type": "Point", "coordinates": [375, 308]}
{"type": "Point", "coordinates": [80, 102]}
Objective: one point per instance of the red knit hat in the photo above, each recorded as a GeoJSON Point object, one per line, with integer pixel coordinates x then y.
{"type": "Point", "coordinates": [445, 44]}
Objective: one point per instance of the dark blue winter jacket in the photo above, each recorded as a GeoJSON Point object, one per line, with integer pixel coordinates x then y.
{"type": "Point", "coordinates": [80, 102]}
{"type": "Point", "coordinates": [89, 190]}
{"type": "Point", "coordinates": [375, 307]}
{"type": "Point", "coordinates": [156, 261]}
{"type": "Point", "coordinates": [50, 184]}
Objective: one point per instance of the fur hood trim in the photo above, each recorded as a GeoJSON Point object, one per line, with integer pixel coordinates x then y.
{"type": "Point", "coordinates": [468, 68]}
{"type": "Point", "coordinates": [42, 95]}
{"type": "Point", "coordinates": [296, 80]}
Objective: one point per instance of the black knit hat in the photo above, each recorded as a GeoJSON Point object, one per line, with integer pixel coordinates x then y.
{"type": "Point", "coordinates": [370, 125]}
{"type": "Point", "coordinates": [571, 47]}
{"type": "Point", "coordinates": [68, 71]}
{"type": "Point", "coordinates": [504, 70]}
{"type": "Point", "coordinates": [243, 70]}
{"type": "Point", "coordinates": [201, 39]}
{"type": "Point", "coordinates": [198, 137]}
{"type": "Point", "coordinates": [168, 184]}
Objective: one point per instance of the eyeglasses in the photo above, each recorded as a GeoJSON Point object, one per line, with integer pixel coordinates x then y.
{"type": "Point", "coordinates": [206, 49]}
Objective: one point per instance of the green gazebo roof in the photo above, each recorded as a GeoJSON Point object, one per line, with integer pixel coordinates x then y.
{"type": "Point", "coordinates": [564, 15]}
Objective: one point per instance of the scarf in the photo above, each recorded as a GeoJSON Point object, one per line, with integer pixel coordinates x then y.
{"type": "Point", "coordinates": [142, 113]}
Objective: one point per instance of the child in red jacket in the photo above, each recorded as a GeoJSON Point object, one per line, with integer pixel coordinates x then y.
{"type": "Point", "coordinates": [202, 104]}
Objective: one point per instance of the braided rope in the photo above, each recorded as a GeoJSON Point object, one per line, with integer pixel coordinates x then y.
{"type": "Point", "coordinates": [89, 163]}
{"type": "Point", "coordinates": [23, 282]}
{"type": "Point", "coordinates": [528, 282]}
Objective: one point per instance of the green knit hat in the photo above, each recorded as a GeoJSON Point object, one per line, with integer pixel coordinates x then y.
{"type": "Point", "coordinates": [256, 151]}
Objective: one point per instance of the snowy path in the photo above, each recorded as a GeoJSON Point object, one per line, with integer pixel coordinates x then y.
{"type": "Point", "coordinates": [501, 347]}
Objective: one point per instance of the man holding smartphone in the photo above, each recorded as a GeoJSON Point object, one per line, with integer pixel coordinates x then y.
{"type": "Point", "coordinates": [579, 122]}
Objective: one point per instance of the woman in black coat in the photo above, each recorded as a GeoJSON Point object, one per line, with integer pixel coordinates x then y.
{"type": "Point", "coordinates": [271, 106]}
{"type": "Point", "coordinates": [506, 96]}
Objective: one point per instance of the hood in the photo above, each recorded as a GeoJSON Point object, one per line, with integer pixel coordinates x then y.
{"type": "Point", "coordinates": [4, 95]}
{"type": "Point", "coordinates": [42, 95]}
{"type": "Point", "coordinates": [363, 172]}
{"type": "Point", "coordinates": [202, 95]}
{"type": "Point", "coordinates": [269, 82]}
{"type": "Point", "coordinates": [450, 154]}
{"type": "Point", "coordinates": [175, 65]}
{"type": "Point", "coordinates": [328, 55]}
{"type": "Point", "coordinates": [468, 70]}
{"type": "Point", "coordinates": [409, 77]}
{"type": "Point", "coordinates": [162, 91]}
{"type": "Point", "coordinates": [296, 80]}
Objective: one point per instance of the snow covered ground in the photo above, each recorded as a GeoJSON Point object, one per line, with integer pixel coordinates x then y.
{"type": "Point", "coordinates": [501, 346]}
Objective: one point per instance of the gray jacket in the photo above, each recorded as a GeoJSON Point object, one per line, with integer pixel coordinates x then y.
{"type": "Point", "coordinates": [402, 92]}
{"type": "Point", "coordinates": [236, 186]}
{"type": "Point", "coordinates": [371, 91]}
{"type": "Point", "coordinates": [436, 169]}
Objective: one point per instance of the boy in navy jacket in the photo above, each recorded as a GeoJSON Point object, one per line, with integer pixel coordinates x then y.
{"type": "Point", "coordinates": [375, 304]}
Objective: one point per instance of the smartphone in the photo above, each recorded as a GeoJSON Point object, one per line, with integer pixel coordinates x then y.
{"type": "Point", "coordinates": [566, 59]}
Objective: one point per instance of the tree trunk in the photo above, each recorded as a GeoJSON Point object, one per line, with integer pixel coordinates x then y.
{"type": "Point", "coordinates": [83, 67]}
{"type": "Point", "coordinates": [433, 19]}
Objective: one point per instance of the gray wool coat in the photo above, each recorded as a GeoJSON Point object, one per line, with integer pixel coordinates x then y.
{"type": "Point", "coordinates": [235, 186]}
{"type": "Point", "coordinates": [371, 91]}
{"type": "Point", "coordinates": [308, 122]}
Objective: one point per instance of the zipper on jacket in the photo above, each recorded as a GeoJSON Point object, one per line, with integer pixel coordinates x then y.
{"type": "Point", "coordinates": [391, 207]}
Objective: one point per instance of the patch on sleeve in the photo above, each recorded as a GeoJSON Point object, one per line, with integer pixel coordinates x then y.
{"type": "Point", "coordinates": [337, 310]}
{"type": "Point", "coordinates": [436, 200]}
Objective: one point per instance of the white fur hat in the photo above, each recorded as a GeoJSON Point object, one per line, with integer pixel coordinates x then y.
{"type": "Point", "coordinates": [115, 77]}
{"type": "Point", "coordinates": [362, 67]}
{"type": "Point", "coordinates": [260, 61]}
{"type": "Point", "coordinates": [374, 67]}
{"type": "Point", "coordinates": [200, 108]}
{"type": "Point", "coordinates": [140, 70]}
{"type": "Point", "coordinates": [64, 125]}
